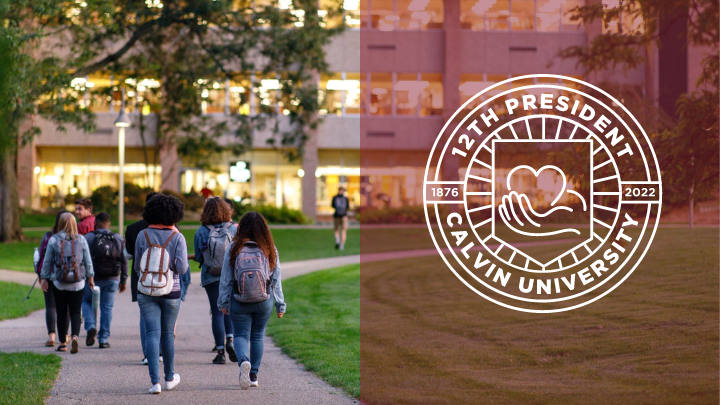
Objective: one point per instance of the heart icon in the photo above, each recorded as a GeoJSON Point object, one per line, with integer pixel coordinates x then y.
{"type": "Point", "coordinates": [550, 169]}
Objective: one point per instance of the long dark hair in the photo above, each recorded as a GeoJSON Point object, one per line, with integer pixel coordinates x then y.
{"type": "Point", "coordinates": [57, 221]}
{"type": "Point", "coordinates": [253, 227]}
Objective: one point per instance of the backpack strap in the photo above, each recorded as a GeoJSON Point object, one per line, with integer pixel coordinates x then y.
{"type": "Point", "coordinates": [163, 247]}
{"type": "Point", "coordinates": [147, 262]}
{"type": "Point", "coordinates": [74, 262]}
{"type": "Point", "coordinates": [63, 266]}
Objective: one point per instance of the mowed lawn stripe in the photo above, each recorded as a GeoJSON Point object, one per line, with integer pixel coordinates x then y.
{"type": "Point", "coordinates": [426, 338]}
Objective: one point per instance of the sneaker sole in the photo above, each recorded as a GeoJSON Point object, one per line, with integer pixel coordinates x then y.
{"type": "Point", "coordinates": [74, 347]}
{"type": "Point", "coordinates": [245, 375]}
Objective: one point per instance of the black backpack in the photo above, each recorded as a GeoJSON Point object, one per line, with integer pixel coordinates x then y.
{"type": "Point", "coordinates": [340, 204]}
{"type": "Point", "coordinates": [106, 254]}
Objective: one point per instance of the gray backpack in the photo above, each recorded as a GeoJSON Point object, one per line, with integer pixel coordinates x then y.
{"type": "Point", "coordinates": [69, 266]}
{"type": "Point", "coordinates": [214, 251]}
{"type": "Point", "coordinates": [252, 274]}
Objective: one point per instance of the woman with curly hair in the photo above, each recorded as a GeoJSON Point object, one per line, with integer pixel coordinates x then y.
{"type": "Point", "coordinates": [158, 313]}
{"type": "Point", "coordinates": [211, 241]}
{"type": "Point", "coordinates": [249, 281]}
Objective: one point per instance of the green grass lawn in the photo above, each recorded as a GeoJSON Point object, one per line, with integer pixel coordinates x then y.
{"type": "Point", "coordinates": [293, 244]}
{"type": "Point", "coordinates": [27, 378]}
{"type": "Point", "coordinates": [11, 297]}
{"type": "Point", "coordinates": [322, 326]}
{"type": "Point", "coordinates": [426, 338]}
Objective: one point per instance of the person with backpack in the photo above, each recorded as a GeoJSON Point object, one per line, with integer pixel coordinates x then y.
{"type": "Point", "coordinates": [131, 233]}
{"type": "Point", "coordinates": [341, 204]}
{"type": "Point", "coordinates": [211, 241]}
{"type": "Point", "coordinates": [68, 265]}
{"type": "Point", "coordinates": [160, 259]}
{"type": "Point", "coordinates": [249, 281]}
{"type": "Point", "coordinates": [50, 309]}
{"type": "Point", "coordinates": [110, 266]}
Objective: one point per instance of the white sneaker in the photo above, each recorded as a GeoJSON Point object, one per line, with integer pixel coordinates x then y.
{"type": "Point", "coordinates": [245, 375]}
{"type": "Point", "coordinates": [155, 389]}
{"type": "Point", "coordinates": [144, 361]}
{"type": "Point", "coordinates": [160, 359]}
{"type": "Point", "coordinates": [254, 384]}
{"type": "Point", "coordinates": [174, 383]}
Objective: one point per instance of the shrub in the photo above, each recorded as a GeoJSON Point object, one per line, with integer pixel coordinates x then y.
{"type": "Point", "coordinates": [71, 198]}
{"type": "Point", "coordinates": [274, 215]}
{"type": "Point", "coordinates": [104, 198]}
{"type": "Point", "coordinates": [135, 197]}
{"type": "Point", "coordinates": [193, 202]}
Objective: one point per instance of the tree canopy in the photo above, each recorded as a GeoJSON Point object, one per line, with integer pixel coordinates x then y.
{"type": "Point", "coordinates": [184, 45]}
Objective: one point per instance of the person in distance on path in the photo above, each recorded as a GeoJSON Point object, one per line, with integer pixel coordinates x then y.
{"type": "Point", "coordinates": [341, 204]}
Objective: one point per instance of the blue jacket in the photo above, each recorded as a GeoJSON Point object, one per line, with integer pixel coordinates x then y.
{"type": "Point", "coordinates": [176, 249]}
{"type": "Point", "coordinates": [53, 248]}
{"type": "Point", "coordinates": [226, 281]}
{"type": "Point", "coordinates": [200, 242]}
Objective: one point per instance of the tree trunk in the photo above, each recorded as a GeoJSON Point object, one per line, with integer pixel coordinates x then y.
{"type": "Point", "coordinates": [9, 202]}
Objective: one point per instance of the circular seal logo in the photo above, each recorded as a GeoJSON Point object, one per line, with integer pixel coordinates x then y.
{"type": "Point", "coordinates": [542, 193]}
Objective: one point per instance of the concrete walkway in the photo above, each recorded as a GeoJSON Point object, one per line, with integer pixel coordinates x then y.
{"type": "Point", "coordinates": [115, 375]}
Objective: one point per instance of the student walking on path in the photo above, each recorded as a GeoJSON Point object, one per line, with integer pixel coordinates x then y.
{"type": "Point", "coordinates": [50, 308]}
{"type": "Point", "coordinates": [211, 241]}
{"type": "Point", "coordinates": [341, 204]}
{"type": "Point", "coordinates": [110, 266]}
{"type": "Point", "coordinates": [160, 259]}
{"type": "Point", "coordinates": [83, 212]}
{"type": "Point", "coordinates": [68, 265]}
{"type": "Point", "coordinates": [249, 281]}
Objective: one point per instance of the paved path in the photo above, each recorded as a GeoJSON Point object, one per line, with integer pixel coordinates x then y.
{"type": "Point", "coordinates": [115, 376]}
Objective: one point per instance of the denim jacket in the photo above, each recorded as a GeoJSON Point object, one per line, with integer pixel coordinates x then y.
{"type": "Point", "coordinates": [226, 284]}
{"type": "Point", "coordinates": [53, 248]}
{"type": "Point", "coordinates": [200, 241]}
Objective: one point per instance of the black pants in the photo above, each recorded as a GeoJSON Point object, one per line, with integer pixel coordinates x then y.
{"type": "Point", "coordinates": [67, 301]}
{"type": "Point", "coordinates": [50, 314]}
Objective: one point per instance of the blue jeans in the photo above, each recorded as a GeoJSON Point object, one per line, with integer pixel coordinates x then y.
{"type": "Point", "coordinates": [159, 316]}
{"type": "Point", "coordinates": [249, 322]}
{"type": "Point", "coordinates": [108, 288]}
{"type": "Point", "coordinates": [221, 325]}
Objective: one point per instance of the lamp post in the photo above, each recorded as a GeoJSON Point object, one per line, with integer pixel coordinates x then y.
{"type": "Point", "coordinates": [121, 123]}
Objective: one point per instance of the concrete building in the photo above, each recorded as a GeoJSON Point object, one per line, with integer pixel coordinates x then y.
{"type": "Point", "coordinates": [397, 73]}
